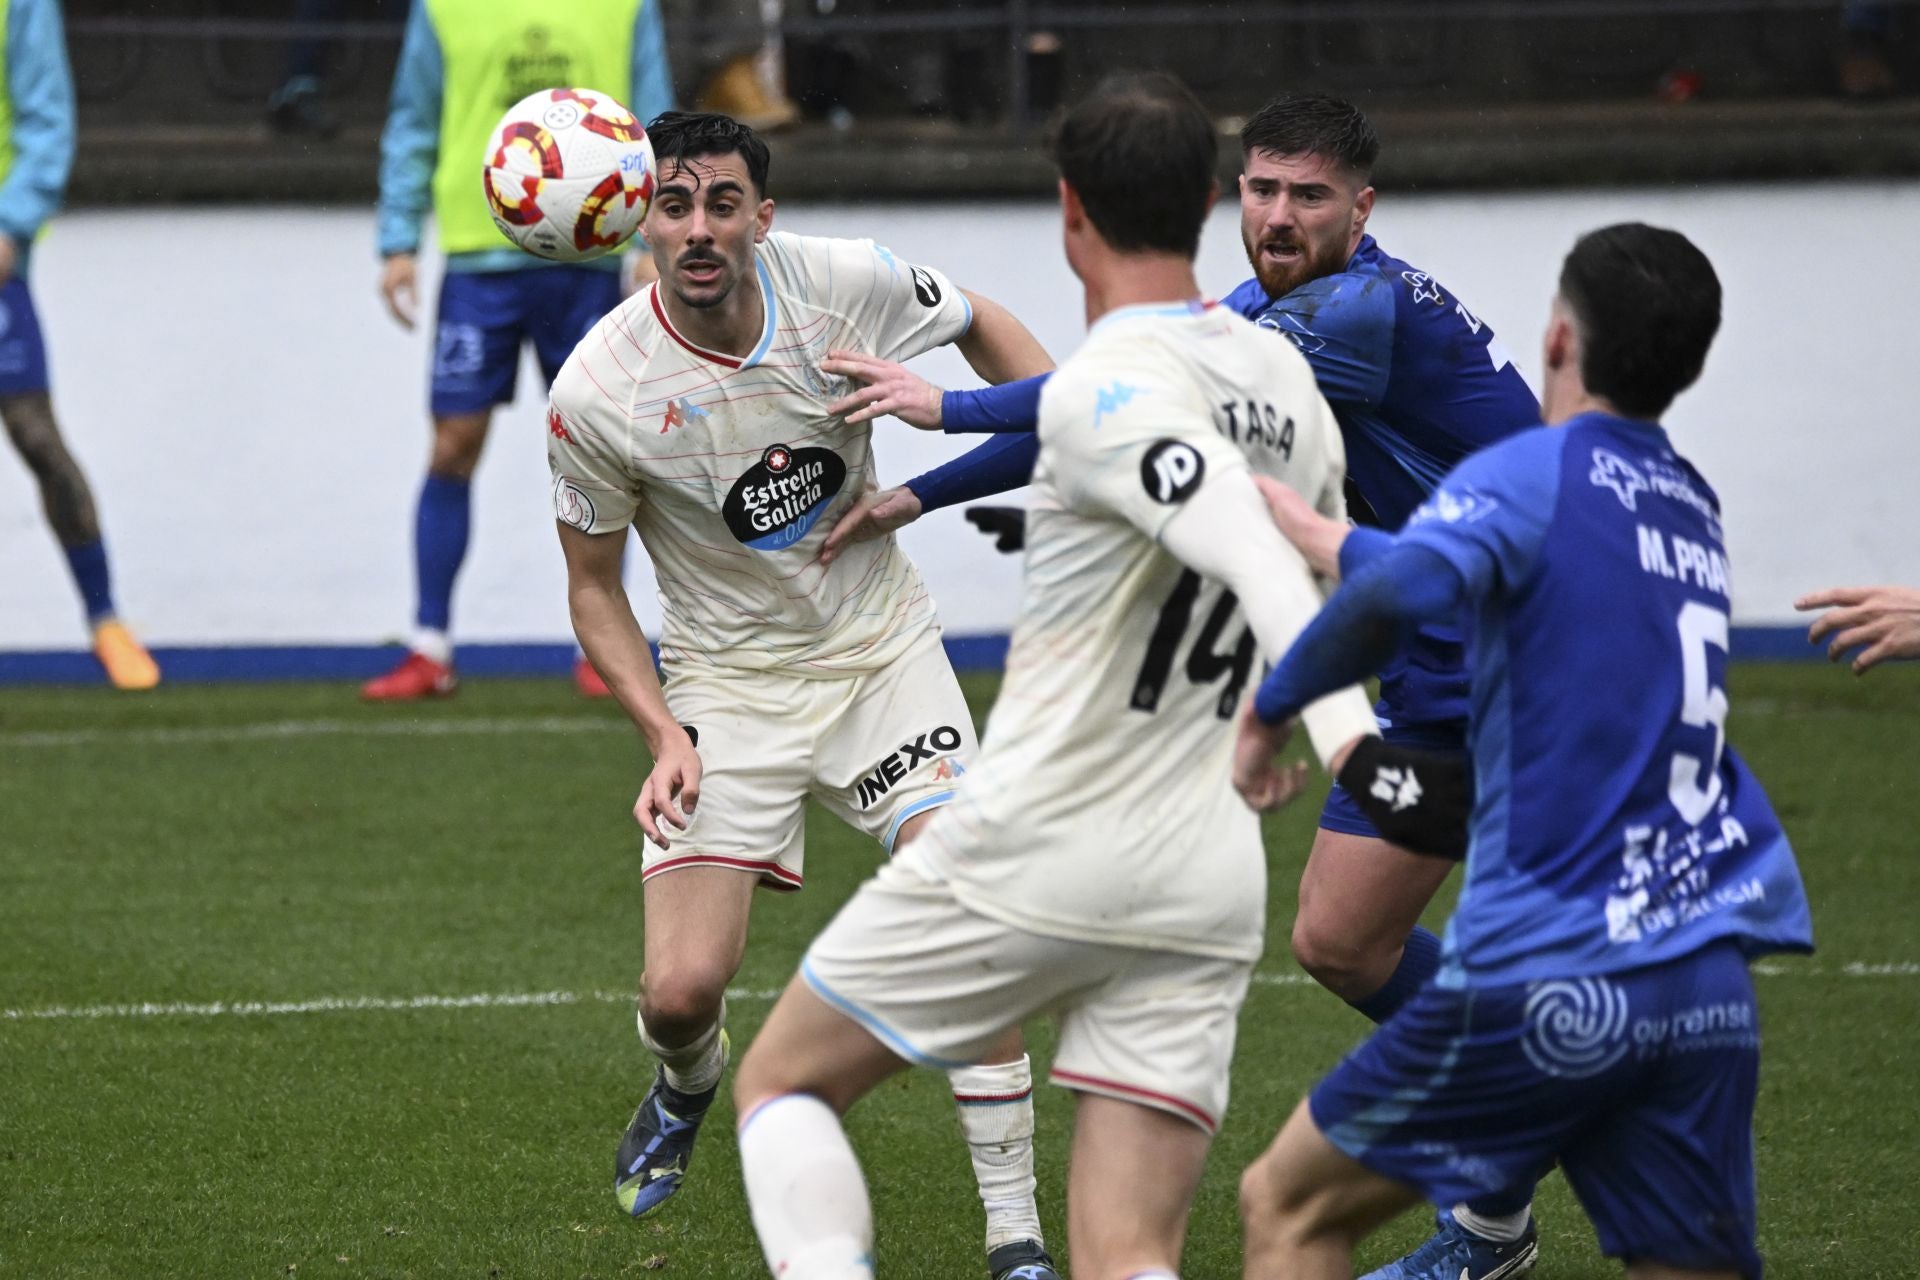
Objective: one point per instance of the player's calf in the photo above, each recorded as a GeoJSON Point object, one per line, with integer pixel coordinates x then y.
{"type": "Point", "coordinates": [1304, 1205]}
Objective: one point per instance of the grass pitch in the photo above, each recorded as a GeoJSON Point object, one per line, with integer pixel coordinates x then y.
{"type": "Point", "coordinates": [292, 986]}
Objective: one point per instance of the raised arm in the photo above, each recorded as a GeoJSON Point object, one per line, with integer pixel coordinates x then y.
{"type": "Point", "coordinates": [997, 346]}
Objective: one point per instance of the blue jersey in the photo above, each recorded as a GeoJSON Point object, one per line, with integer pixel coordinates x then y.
{"type": "Point", "coordinates": [1418, 384]}
{"type": "Point", "coordinates": [1613, 827]}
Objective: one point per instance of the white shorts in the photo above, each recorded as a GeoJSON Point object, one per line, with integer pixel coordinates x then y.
{"type": "Point", "coordinates": [875, 749]}
{"type": "Point", "coordinates": [938, 983]}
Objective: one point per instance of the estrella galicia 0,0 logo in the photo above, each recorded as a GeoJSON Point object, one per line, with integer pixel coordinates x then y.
{"type": "Point", "coordinates": [777, 499]}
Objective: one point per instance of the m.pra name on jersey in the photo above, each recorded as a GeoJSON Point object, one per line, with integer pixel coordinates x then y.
{"type": "Point", "coordinates": [1689, 561]}
{"type": "Point", "coordinates": [889, 771]}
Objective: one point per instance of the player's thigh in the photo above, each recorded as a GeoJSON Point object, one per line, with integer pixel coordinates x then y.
{"type": "Point", "coordinates": [1158, 1032]}
{"type": "Point", "coordinates": [754, 733]}
{"type": "Point", "coordinates": [696, 925]}
{"type": "Point", "coordinates": [23, 350]}
{"type": "Point", "coordinates": [1130, 1186]}
{"type": "Point", "coordinates": [1667, 1175]}
{"type": "Point", "coordinates": [1359, 894]}
{"type": "Point", "coordinates": [572, 300]}
{"type": "Point", "coordinates": [808, 1046]}
{"type": "Point", "coordinates": [478, 327]}
{"type": "Point", "coordinates": [896, 746]}
{"type": "Point", "coordinates": [935, 982]}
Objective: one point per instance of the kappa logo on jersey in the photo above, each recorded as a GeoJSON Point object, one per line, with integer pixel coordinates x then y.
{"type": "Point", "coordinates": [777, 500]}
{"type": "Point", "coordinates": [1463, 507]}
{"type": "Point", "coordinates": [557, 426]}
{"type": "Point", "coordinates": [571, 505]}
{"type": "Point", "coordinates": [1614, 472]}
{"type": "Point", "coordinates": [1113, 399]}
{"type": "Point", "coordinates": [1424, 287]}
{"type": "Point", "coordinates": [925, 287]}
{"type": "Point", "coordinates": [679, 413]}
{"type": "Point", "coordinates": [928, 746]}
{"type": "Point", "coordinates": [1171, 470]}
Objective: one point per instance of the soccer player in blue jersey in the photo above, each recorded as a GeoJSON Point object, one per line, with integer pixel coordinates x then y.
{"type": "Point", "coordinates": [1418, 383]}
{"type": "Point", "coordinates": [1593, 1005]}
{"type": "Point", "coordinates": [463, 63]}
{"type": "Point", "coordinates": [36, 154]}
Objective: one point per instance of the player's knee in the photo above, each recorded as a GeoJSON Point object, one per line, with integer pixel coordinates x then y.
{"type": "Point", "coordinates": [1276, 1204]}
{"type": "Point", "coordinates": [678, 1004]}
{"type": "Point", "coordinates": [457, 443]}
{"type": "Point", "coordinates": [1337, 958]}
{"type": "Point", "coordinates": [34, 435]}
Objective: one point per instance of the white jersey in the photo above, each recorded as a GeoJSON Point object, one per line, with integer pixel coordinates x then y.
{"type": "Point", "coordinates": [1102, 804]}
{"type": "Point", "coordinates": [732, 471]}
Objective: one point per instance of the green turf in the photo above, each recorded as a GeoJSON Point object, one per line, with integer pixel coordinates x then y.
{"type": "Point", "coordinates": [156, 849]}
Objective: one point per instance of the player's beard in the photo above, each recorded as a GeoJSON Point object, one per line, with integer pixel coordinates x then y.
{"type": "Point", "coordinates": [1278, 279]}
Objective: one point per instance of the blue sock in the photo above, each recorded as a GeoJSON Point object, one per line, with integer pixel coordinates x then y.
{"type": "Point", "coordinates": [89, 564]}
{"type": "Point", "coordinates": [1420, 961]}
{"type": "Point", "coordinates": [440, 529]}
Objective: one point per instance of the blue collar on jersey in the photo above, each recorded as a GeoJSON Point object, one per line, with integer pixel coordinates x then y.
{"type": "Point", "coordinates": [769, 325]}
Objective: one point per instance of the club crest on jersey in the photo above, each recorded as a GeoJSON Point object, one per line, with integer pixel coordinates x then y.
{"type": "Point", "coordinates": [1614, 472]}
{"type": "Point", "coordinates": [777, 500]}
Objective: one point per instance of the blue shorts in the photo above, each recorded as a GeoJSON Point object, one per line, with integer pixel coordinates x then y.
{"type": "Point", "coordinates": [485, 316]}
{"type": "Point", "coordinates": [23, 352]}
{"type": "Point", "coordinates": [1342, 813]}
{"type": "Point", "coordinates": [1639, 1084]}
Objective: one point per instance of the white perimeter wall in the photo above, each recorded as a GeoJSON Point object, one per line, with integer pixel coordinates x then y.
{"type": "Point", "coordinates": [255, 426]}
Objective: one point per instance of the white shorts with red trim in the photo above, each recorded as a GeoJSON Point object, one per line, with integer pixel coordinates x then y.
{"type": "Point", "coordinates": [938, 983]}
{"type": "Point", "coordinates": [876, 749]}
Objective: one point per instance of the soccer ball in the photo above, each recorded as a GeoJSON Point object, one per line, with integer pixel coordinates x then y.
{"type": "Point", "coordinates": [568, 174]}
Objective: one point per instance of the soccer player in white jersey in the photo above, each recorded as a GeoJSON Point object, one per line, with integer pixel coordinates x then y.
{"type": "Point", "coordinates": [1096, 861]}
{"type": "Point", "coordinates": [697, 413]}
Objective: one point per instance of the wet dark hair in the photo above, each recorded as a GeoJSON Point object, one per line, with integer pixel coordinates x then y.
{"type": "Point", "coordinates": [1295, 124]}
{"type": "Point", "coordinates": [1140, 153]}
{"type": "Point", "coordinates": [688, 135]}
{"type": "Point", "coordinates": [1647, 302]}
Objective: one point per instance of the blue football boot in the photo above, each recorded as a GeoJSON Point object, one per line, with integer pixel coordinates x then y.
{"type": "Point", "coordinates": [1454, 1253]}
{"type": "Point", "coordinates": [1021, 1260]}
{"type": "Point", "coordinates": [658, 1145]}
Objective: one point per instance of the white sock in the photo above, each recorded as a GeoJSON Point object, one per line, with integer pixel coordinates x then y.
{"type": "Point", "coordinates": [996, 1115]}
{"type": "Point", "coordinates": [1504, 1229]}
{"type": "Point", "coordinates": [696, 1066]}
{"type": "Point", "coordinates": [431, 643]}
{"type": "Point", "coordinates": [808, 1200]}
{"type": "Point", "coordinates": [1155, 1274]}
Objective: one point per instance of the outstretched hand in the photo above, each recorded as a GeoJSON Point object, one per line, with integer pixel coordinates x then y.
{"type": "Point", "coordinates": [876, 515]}
{"type": "Point", "coordinates": [885, 388]}
{"type": "Point", "coordinates": [1885, 620]}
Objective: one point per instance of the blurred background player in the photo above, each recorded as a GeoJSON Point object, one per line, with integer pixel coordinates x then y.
{"type": "Point", "coordinates": [1134, 913]}
{"type": "Point", "coordinates": [1418, 383]}
{"type": "Point", "coordinates": [697, 415]}
{"type": "Point", "coordinates": [36, 155]}
{"type": "Point", "coordinates": [1593, 1007]}
{"type": "Point", "coordinates": [735, 58]}
{"type": "Point", "coordinates": [462, 63]}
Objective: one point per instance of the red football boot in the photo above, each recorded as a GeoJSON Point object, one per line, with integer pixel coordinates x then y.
{"type": "Point", "coordinates": [417, 676]}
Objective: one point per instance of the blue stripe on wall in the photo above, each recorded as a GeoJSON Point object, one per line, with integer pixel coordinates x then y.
{"type": "Point", "coordinates": [360, 662]}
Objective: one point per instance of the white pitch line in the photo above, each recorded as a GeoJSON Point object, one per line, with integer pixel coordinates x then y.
{"type": "Point", "coordinates": [549, 999]}
{"type": "Point", "coordinates": [277, 729]}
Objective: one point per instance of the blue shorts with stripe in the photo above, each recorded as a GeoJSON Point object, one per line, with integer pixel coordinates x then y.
{"type": "Point", "coordinates": [23, 349]}
{"type": "Point", "coordinates": [485, 317]}
{"type": "Point", "coordinates": [1640, 1085]}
